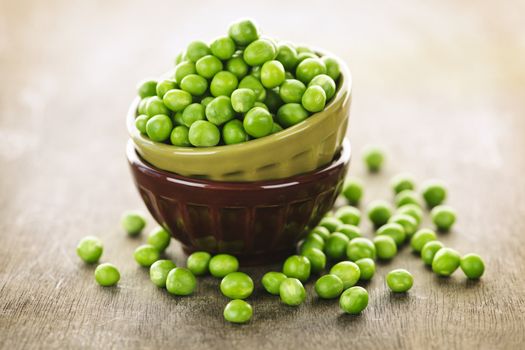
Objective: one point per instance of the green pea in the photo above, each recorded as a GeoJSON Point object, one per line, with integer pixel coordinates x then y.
{"type": "Point", "coordinates": [347, 271]}
{"type": "Point", "coordinates": [133, 222]}
{"type": "Point", "coordinates": [156, 106]}
{"type": "Point", "coordinates": [292, 90]}
{"type": "Point", "coordinates": [316, 257]}
{"type": "Point", "coordinates": [223, 84]}
{"type": "Point", "coordinates": [353, 190]}
{"type": "Point", "coordinates": [406, 197]}
{"type": "Point", "coordinates": [367, 268]}
{"type": "Point", "coordinates": [256, 72]}
{"type": "Point", "coordinates": [147, 88]}
{"type": "Point", "coordinates": [273, 100]}
{"type": "Point", "coordinates": [194, 84]}
{"type": "Point", "coordinates": [472, 265]}
{"type": "Point", "coordinates": [322, 231]}
{"type": "Point", "coordinates": [297, 266]}
{"type": "Point", "coordinates": [237, 285]}
{"type": "Point", "coordinates": [159, 238]}
{"type": "Point", "coordinates": [242, 100]}
{"type": "Point", "coordinates": [223, 48]}
{"type": "Point", "coordinates": [196, 50]}
{"type": "Point", "coordinates": [220, 110]}
{"type": "Point", "coordinates": [179, 136]}
{"type": "Point", "coordinates": [107, 275]}
{"type": "Point", "coordinates": [332, 67]}
{"type": "Point", "coordinates": [360, 248]}
{"type": "Point", "coordinates": [331, 223]}
{"type": "Point", "coordinates": [399, 280]}
{"type": "Point", "coordinates": [422, 237]}
{"type": "Point", "coordinates": [223, 264]}
{"type": "Point", "coordinates": [198, 263]}
{"type": "Point", "coordinates": [272, 74]}
{"type": "Point", "coordinates": [434, 192]}
{"type": "Point", "coordinates": [446, 261]}
{"type": "Point", "coordinates": [159, 128]}
{"type": "Point", "coordinates": [238, 311]}
{"type": "Point", "coordinates": [243, 32]}
{"type": "Point", "coordinates": [326, 83]}
{"type": "Point", "coordinates": [165, 86]}
{"type": "Point", "coordinates": [271, 281]}
{"type": "Point", "coordinates": [379, 212]}
{"type": "Point", "coordinates": [287, 55]}
{"type": "Point", "coordinates": [309, 68]}
{"type": "Point", "coordinates": [292, 292]}
{"type": "Point", "coordinates": [349, 215]}
{"type": "Point", "coordinates": [184, 68]}
{"type": "Point", "coordinates": [206, 101]}
{"type": "Point", "coordinates": [386, 247]}
{"type": "Point", "coordinates": [208, 66]}
{"type": "Point", "coordinates": [258, 122]}
{"type": "Point", "coordinates": [146, 254]}
{"type": "Point", "coordinates": [180, 281]}
{"type": "Point", "coordinates": [429, 251]}
{"type": "Point", "coordinates": [204, 134]}
{"type": "Point", "coordinates": [177, 118]}
{"type": "Point", "coordinates": [158, 272]}
{"type": "Point", "coordinates": [354, 300]}
{"type": "Point", "coordinates": [312, 240]}
{"type": "Point", "coordinates": [90, 249]}
{"type": "Point", "coordinates": [262, 105]}
{"type": "Point", "coordinates": [258, 52]}
{"type": "Point", "coordinates": [314, 99]}
{"type": "Point", "coordinates": [291, 113]}
{"type": "Point", "coordinates": [374, 158]}
{"type": "Point", "coordinates": [301, 56]}
{"type": "Point", "coordinates": [350, 231]}
{"type": "Point", "coordinates": [177, 99]}
{"type": "Point", "coordinates": [192, 113]}
{"type": "Point", "coordinates": [233, 132]}
{"type": "Point", "coordinates": [141, 109]}
{"type": "Point", "coordinates": [409, 223]}
{"type": "Point", "coordinates": [237, 66]}
{"type": "Point", "coordinates": [413, 210]}
{"type": "Point", "coordinates": [251, 82]}
{"type": "Point", "coordinates": [335, 247]}
{"type": "Point", "coordinates": [443, 217]}
{"type": "Point", "coordinates": [329, 286]}
{"type": "Point", "coordinates": [393, 230]}
{"type": "Point", "coordinates": [401, 182]}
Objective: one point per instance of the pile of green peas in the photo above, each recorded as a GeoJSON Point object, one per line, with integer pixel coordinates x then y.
{"type": "Point", "coordinates": [241, 86]}
{"type": "Point", "coordinates": [336, 251]}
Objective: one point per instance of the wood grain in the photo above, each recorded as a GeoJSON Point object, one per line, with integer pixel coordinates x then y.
{"type": "Point", "coordinates": [438, 84]}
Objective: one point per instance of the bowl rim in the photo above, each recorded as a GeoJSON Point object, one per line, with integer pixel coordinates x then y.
{"type": "Point", "coordinates": [341, 158]}
{"type": "Point", "coordinates": [344, 90]}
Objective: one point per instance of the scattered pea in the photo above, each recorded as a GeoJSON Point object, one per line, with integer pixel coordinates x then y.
{"type": "Point", "coordinates": [443, 217]}
{"type": "Point", "coordinates": [335, 246]}
{"type": "Point", "coordinates": [159, 238]}
{"type": "Point", "coordinates": [180, 281]}
{"type": "Point", "coordinates": [198, 263]}
{"type": "Point", "coordinates": [145, 255]}
{"type": "Point", "coordinates": [350, 231]}
{"type": "Point", "coordinates": [292, 292]}
{"type": "Point", "coordinates": [133, 222]}
{"type": "Point", "coordinates": [403, 181]}
{"type": "Point", "coordinates": [330, 223]}
{"type": "Point", "coordinates": [408, 222]}
{"type": "Point", "coordinates": [238, 311]}
{"type": "Point", "coordinates": [312, 240]}
{"type": "Point", "coordinates": [429, 250]}
{"type": "Point", "coordinates": [413, 210]}
{"type": "Point", "coordinates": [393, 230]}
{"type": "Point", "coordinates": [399, 280]}
{"type": "Point", "coordinates": [271, 281]}
{"type": "Point", "coordinates": [297, 266]}
{"type": "Point", "coordinates": [446, 261]}
{"type": "Point", "coordinates": [374, 158]}
{"type": "Point", "coordinates": [158, 272]}
{"type": "Point", "coordinates": [329, 286]}
{"type": "Point", "coordinates": [434, 192]}
{"type": "Point", "coordinates": [360, 248]}
{"type": "Point", "coordinates": [379, 212]}
{"type": "Point", "coordinates": [90, 249]}
{"type": "Point", "coordinates": [386, 247]}
{"type": "Point", "coordinates": [472, 265]}
{"type": "Point", "coordinates": [406, 197]}
{"type": "Point", "coordinates": [353, 190]}
{"type": "Point", "coordinates": [237, 285]}
{"type": "Point", "coordinates": [347, 271]}
{"type": "Point", "coordinates": [422, 237]}
{"type": "Point", "coordinates": [222, 264]}
{"type": "Point", "coordinates": [316, 257]}
{"type": "Point", "coordinates": [354, 300]}
{"type": "Point", "coordinates": [322, 231]}
{"type": "Point", "coordinates": [107, 275]}
{"type": "Point", "coordinates": [367, 268]}
{"type": "Point", "coordinates": [348, 215]}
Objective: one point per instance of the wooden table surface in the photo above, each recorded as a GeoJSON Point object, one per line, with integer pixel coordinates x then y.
{"type": "Point", "coordinates": [439, 84]}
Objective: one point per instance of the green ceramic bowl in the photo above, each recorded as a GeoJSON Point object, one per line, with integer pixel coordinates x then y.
{"type": "Point", "coordinates": [301, 148]}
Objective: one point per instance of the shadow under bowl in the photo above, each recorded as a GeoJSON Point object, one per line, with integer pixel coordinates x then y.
{"type": "Point", "coordinates": [258, 222]}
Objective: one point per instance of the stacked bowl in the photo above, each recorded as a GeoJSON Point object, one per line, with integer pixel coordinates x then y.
{"type": "Point", "coordinates": [254, 199]}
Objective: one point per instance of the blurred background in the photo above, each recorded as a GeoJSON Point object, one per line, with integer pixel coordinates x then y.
{"type": "Point", "coordinates": [440, 85]}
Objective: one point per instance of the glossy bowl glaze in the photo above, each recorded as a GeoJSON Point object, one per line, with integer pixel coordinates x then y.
{"type": "Point", "coordinates": [301, 148]}
{"type": "Point", "coordinates": [259, 222]}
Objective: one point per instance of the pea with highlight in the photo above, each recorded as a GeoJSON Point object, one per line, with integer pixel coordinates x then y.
{"type": "Point", "coordinates": [353, 190]}
{"type": "Point", "coordinates": [446, 261]}
{"type": "Point", "coordinates": [360, 248]}
{"type": "Point", "coordinates": [422, 237]}
{"type": "Point", "coordinates": [379, 212]}
{"type": "Point", "coordinates": [354, 300]}
{"type": "Point", "coordinates": [472, 265]}
{"type": "Point", "coordinates": [434, 192]}
{"type": "Point", "coordinates": [443, 217]}
{"type": "Point", "coordinates": [373, 158]}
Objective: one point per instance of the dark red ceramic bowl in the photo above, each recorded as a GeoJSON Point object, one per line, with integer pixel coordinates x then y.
{"type": "Point", "coordinates": [259, 222]}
